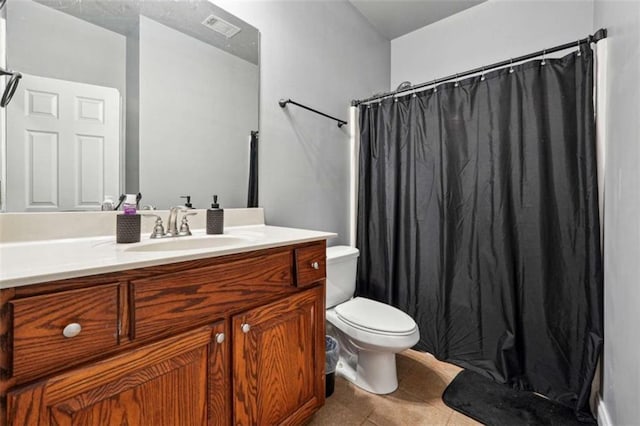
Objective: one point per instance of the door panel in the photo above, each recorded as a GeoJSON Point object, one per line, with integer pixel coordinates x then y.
{"type": "Point", "coordinates": [42, 184]}
{"type": "Point", "coordinates": [41, 104]}
{"type": "Point", "coordinates": [63, 145]}
{"type": "Point", "coordinates": [284, 372]}
{"type": "Point", "coordinates": [276, 362]}
{"type": "Point", "coordinates": [90, 170]}
{"type": "Point", "coordinates": [172, 392]}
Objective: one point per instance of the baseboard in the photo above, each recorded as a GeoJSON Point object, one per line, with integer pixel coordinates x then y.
{"type": "Point", "coordinates": [603, 415]}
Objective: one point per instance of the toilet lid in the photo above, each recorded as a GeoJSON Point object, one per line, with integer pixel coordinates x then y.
{"type": "Point", "coordinates": [372, 315]}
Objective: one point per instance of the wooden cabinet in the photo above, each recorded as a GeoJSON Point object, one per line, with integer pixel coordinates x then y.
{"type": "Point", "coordinates": [39, 323]}
{"type": "Point", "coordinates": [176, 300]}
{"type": "Point", "coordinates": [278, 361]}
{"type": "Point", "coordinates": [237, 339]}
{"type": "Point", "coordinates": [310, 264]}
{"type": "Point", "coordinates": [164, 383]}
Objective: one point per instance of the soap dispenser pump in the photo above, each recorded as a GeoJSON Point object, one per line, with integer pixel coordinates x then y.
{"type": "Point", "coordinates": [187, 204]}
{"type": "Point", "coordinates": [215, 218]}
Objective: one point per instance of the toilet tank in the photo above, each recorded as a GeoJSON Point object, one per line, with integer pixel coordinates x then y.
{"type": "Point", "coordinates": [341, 274]}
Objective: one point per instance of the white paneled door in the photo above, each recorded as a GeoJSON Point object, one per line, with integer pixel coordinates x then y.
{"type": "Point", "coordinates": [63, 145]}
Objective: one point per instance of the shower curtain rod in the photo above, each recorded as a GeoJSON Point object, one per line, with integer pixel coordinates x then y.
{"type": "Point", "coordinates": [599, 35]}
{"type": "Point", "coordinates": [283, 103]}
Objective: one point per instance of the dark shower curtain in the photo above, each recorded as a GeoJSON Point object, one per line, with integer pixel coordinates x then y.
{"type": "Point", "coordinates": [478, 216]}
{"type": "Point", "coordinates": [252, 193]}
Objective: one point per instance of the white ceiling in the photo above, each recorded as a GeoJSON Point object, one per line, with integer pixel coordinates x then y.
{"type": "Point", "coordinates": [122, 16]}
{"type": "Point", "coordinates": [394, 18]}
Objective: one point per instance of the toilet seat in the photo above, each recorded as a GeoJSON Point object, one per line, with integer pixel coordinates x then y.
{"type": "Point", "coordinates": [375, 317]}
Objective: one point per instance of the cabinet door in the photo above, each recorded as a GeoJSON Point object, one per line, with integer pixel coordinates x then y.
{"type": "Point", "coordinates": [172, 382]}
{"type": "Point", "coordinates": [278, 360]}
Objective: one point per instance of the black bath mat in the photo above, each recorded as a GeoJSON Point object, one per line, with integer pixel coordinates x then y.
{"type": "Point", "coordinates": [494, 404]}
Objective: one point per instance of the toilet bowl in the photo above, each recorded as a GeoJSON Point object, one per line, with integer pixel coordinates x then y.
{"type": "Point", "coordinates": [370, 333]}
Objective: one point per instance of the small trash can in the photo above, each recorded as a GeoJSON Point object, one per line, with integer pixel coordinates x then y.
{"type": "Point", "coordinates": [331, 361]}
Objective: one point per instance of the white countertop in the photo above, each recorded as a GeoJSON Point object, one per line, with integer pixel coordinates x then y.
{"type": "Point", "coordinates": [24, 263]}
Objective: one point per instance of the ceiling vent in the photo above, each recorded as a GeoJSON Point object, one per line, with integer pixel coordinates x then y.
{"type": "Point", "coordinates": [221, 26]}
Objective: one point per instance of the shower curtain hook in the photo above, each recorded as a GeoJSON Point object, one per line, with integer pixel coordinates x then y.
{"type": "Point", "coordinates": [482, 75]}
{"type": "Point", "coordinates": [544, 59]}
{"type": "Point", "coordinates": [457, 83]}
{"type": "Point", "coordinates": [579, 50]}
{"type": "Point", "coordinates": [510, 65]}
{"type": "Point", "coordinates": [435, 88]}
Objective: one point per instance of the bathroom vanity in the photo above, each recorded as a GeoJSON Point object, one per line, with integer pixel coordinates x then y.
{"type": "Point", "coordinates": [203, 337]}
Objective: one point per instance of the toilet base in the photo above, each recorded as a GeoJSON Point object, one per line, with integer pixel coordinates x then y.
{"type": "Point", "coordinates": [374, 372]}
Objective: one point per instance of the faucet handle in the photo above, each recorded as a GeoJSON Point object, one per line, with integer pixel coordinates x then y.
{"type": "Point", "coordinates": [184, 225]}
{"type": "Point", "coordinates": [158, 229]}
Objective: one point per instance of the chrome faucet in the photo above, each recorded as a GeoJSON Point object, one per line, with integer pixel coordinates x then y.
{"type": "Point", "coordinates": [172, 222]}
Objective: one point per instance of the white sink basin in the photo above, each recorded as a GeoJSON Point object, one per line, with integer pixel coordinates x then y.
{"type": "Point", "coordinates": [188, 243]}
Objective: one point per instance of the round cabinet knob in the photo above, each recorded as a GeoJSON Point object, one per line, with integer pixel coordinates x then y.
{"type": "Point", "coordinates": [219, 337]}
{"type": "Point", "coordinates": [315, 265]}
{"type": "Point", "coordinates": [245, 328]}
{"type": "Point", "coordinates": [72, 330]}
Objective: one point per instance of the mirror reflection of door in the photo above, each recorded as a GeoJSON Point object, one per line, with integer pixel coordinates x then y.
{"type": "Point", "coordinates": [62, 145]}
{"type": "Point", "coordinates": [189, 92]}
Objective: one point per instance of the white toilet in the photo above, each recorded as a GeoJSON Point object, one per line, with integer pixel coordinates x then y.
{"type": "Point", "coordinates": [370, 333]}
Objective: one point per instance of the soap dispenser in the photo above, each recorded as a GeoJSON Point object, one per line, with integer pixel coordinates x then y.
{"type": "Point", "coordinates": [187, 204]}
{"type": "Point", "coordinates": [128, 223]}
{"type": "Point", "coordinates": [215, 218]}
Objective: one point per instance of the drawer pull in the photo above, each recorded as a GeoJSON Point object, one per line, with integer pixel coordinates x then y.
{"type": "Point", "coordinates": [245, 328]}
{"type": "Point", "coordinates": [72, 330]}
{"type": "Point", "coordinates": [219, 337]}
{"type": "Point", "coordinates": [315, 265]}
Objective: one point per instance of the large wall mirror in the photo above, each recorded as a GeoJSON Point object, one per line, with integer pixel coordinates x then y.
{"type": "Point", "coordinates": [158, 97]}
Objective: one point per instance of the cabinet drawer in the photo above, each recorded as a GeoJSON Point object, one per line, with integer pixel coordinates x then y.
{"type": "Point", "coordinates": [310, 264]}
{"type": "Point", "coordinates": [180, 300]}
{"type": "Point", "coordinates": [38, 323]}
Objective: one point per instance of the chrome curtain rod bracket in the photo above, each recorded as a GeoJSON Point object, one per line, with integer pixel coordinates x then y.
{"type": "Point", "coordinates": [594, 38]}
{"type": "Point", "coordinates": [283, 103]}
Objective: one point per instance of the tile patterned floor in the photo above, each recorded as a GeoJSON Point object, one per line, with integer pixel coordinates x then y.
{"type": "Point", "coordinates": [422, 379]}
